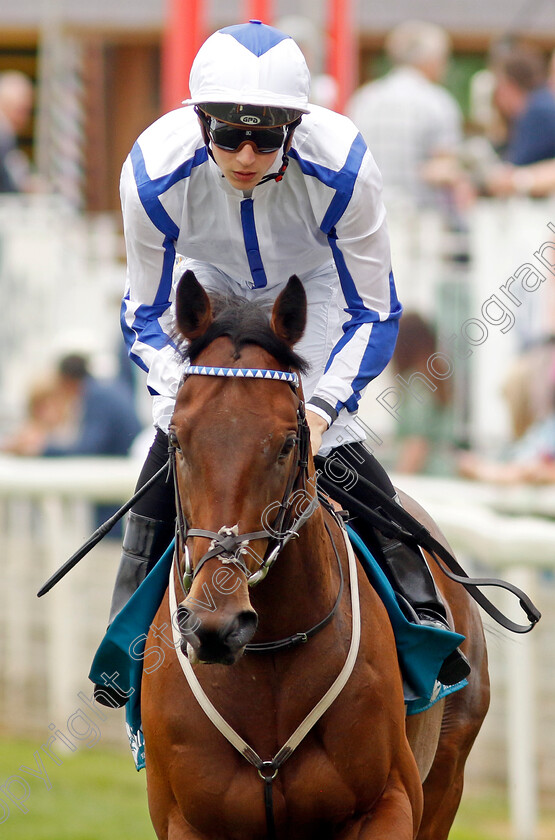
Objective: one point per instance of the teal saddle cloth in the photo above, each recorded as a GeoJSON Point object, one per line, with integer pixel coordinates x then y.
{"type": "Point", "coordinates": [120, 656]}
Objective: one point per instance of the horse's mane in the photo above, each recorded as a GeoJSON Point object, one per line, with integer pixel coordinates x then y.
{"type": "Point", "coordinates": [244, 322]}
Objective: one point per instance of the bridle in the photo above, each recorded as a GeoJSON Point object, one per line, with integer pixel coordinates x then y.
{"type": "Point", "coordinates": [227, 543]}
{"type": "Point", "coordinates": [296, 507]}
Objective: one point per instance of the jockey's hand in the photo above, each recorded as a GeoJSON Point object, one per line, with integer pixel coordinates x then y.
{"type": "Point", "coordinates": [317, 426]}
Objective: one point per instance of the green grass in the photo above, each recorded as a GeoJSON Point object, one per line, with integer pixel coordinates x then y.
{"type": "Point", "coordinates": [96, 794]}
{"type": "Point", "coordinates": [482, 819]}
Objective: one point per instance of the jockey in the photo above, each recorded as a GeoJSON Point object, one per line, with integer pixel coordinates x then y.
{"type": "Point", "coordinates": [246, 185]}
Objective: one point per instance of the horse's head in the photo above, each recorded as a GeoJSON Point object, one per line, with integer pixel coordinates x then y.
{"type": "Point", "coordinates": [241, 445]}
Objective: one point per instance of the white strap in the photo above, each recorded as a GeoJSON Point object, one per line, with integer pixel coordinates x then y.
{"type": "Point", "coordinates": [322, 706]}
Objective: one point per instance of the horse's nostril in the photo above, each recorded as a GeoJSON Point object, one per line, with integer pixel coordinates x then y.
{"type": "Point", "coordinates": [241, 629]}
{"type": "Point", "coordinates": [216, 642]}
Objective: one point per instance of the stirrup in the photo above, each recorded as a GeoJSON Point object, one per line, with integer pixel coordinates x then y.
{"type": "Point", "coordinates": [412, 579]}
{"type": "Point", "coordinates": [456, 666]}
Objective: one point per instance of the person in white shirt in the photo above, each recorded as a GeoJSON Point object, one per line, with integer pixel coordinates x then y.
{"type": "Point", "coordinates": [411, 123]}
{"type": "Point", "coordinates": [247, 185]}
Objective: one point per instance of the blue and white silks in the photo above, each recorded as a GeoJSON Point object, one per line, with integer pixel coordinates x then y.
{"type": "Point", "coordinates": [324, 221]}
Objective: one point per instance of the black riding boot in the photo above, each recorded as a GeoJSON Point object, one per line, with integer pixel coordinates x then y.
{"type": "Point", "coordinates": [142, 547]}
{"type": "Point", "coordinates": [412, 580]}
{"type": "Point", "coordinates": [405, 567]}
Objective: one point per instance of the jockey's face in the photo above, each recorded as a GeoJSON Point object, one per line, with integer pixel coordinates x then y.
{"type": "Point", "coordinates": [245, 167]}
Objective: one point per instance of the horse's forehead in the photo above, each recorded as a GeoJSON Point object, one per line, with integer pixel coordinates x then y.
{"type": "Point", "coordinates": [222, 352]}
{"type": "Point", "coordinates": [218, 401]}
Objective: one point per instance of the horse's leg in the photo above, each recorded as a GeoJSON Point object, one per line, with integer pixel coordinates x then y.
{"type": "Point", "coordinates": [464, 710]}
{"type": "Point", "coordinates": [165, 814]}
{"type": "Point", "coordinates": [443, 787]}
{"type": "Point", "coordinates": [442, 792]}
{"type": "Point", "coordinates": [423, 732]}
{"type": "Point", "coordinates": [179, 829]}
{"type": "Point", "coordinates": [396, 815]}
{"type": "Point", "coordinates": [160, 804]}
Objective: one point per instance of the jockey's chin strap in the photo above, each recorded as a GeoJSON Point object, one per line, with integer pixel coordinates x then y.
{"type": "Point", "coordinates": [231, 546]}
{"type": "Point", "coordinates": [278, 176]}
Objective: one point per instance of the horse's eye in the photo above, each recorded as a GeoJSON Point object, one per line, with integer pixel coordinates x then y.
{"type": "Point", "coordinates": [286, 448]}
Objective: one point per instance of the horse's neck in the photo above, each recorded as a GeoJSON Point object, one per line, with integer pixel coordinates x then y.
{"type": "Point", "coordinates": [302, 584]}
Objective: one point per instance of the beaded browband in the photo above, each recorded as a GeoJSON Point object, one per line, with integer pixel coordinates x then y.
{"type": "Point", "coordinates": [242, 373]}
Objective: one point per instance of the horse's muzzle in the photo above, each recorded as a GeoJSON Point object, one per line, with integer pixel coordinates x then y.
{"type": "Point", "coordinates": [214, 641]}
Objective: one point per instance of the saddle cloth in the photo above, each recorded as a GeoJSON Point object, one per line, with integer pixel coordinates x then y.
{"type": "Point", "coordinates": [120, 656]}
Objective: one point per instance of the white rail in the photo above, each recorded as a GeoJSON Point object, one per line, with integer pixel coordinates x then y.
{"type": "Point", "coordinates": [518, 547]}
{"type": "Point", "coordinates": [45, 514]}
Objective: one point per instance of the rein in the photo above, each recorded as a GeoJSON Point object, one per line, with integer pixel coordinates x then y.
{"type": "Point", "coordinates": [403, 526]}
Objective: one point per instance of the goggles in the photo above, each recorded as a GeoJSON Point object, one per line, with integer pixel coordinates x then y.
{"type": "Point", "coordinates": [230, 137]}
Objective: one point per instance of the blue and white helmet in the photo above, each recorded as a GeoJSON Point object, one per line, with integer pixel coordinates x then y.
{"type": "Point", "coordinates": [254, 65]}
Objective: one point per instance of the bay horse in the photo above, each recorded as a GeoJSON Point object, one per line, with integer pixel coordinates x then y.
{"type": "Point", "coordinates": [360, 769]}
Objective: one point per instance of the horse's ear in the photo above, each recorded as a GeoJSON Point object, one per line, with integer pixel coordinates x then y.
{"type": "Point", "coordinates": [289, 312]}
{"type": "Point", "coordinates": [192, 307]}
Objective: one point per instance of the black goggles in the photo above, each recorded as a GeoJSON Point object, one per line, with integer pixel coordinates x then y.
{"type": "Point", "coordinates": [231, 137]}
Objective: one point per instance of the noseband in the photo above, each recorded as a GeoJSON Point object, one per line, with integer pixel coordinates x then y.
{"type": "Point", "coordinates": [227, 543]}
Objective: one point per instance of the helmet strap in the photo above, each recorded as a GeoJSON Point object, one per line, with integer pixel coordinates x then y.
{"type": "Point", "coordinates": [278, 176]}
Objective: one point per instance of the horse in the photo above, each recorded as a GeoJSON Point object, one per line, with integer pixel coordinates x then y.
{"type": "Point", "coordinates": [262, 598]}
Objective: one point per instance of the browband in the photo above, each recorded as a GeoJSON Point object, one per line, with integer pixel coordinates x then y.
{"type": "Point", "coordinates": [242, 373]}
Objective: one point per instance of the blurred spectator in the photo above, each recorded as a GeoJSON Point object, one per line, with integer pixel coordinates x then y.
{"type": "Point", "coordinates": [529, 388]}
{"type": "Point", "coordinates": [530, 394]}
{"type": "Point", "coordinates": [108, 423]}
{"type": "Point", "coordinates": [536, 180]}
{"type": "Point", "coordinates": [323, 87]}
{"type": "Point", "coordinates": [411, 124]}
{"type": "Point", "coordinates": [527, 102]}
{"type": "Point", "coordinates": [423, 434]}
{"type": "Point", "coordinates": [487, 127]}
{"type": "Point", "coordinates": [78, 415]}
{"type": "Point", "coordinates": [47, 415]}
{"type": "Point", "coordinates": [16, 105]}
{"type": "Point", "coordinates": [484, 118]}
{"type": "Point", "coordinates": [531, 459]}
